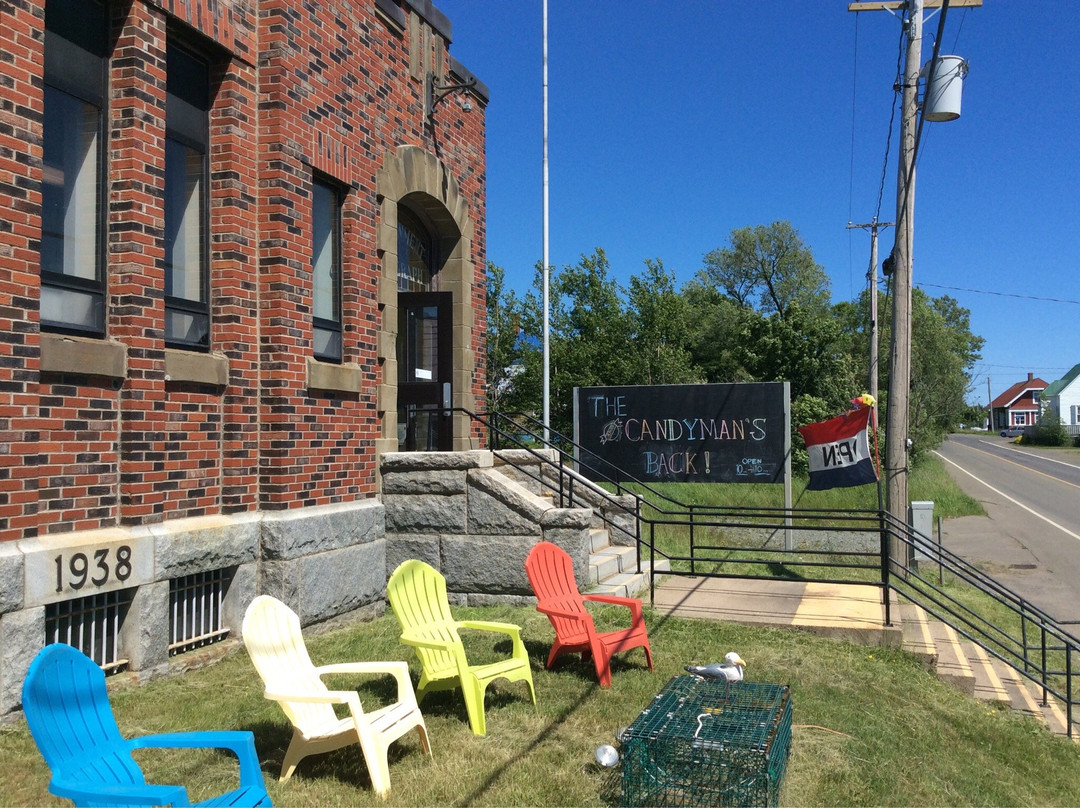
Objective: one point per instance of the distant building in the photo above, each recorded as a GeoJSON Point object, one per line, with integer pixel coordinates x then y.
{"type": "Point", "coordinates": [1017, 406]}
{"type": "Point", "coordinates": [1062, 398]}
{"type": "Point", "coordinates": [243, 246]}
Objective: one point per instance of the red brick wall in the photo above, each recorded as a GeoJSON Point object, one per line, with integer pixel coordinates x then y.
{"type": "Point", "coordinates": [325, 87]}
{"type": "Point", "coordinates": [23, 432]}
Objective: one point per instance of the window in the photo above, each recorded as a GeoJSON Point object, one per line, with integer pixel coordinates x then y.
{"type": "Point", "coordinates": [92, 624]}
{"type": "Point", "coordinates": [195, 609]}
{"type": "Point", "coordinates": [187, 132]}
{"type": "Point", "coordinates": [72, 191]}
{"type": "Point", "coordinates": [415, 250]}
{"type": "Point", "coordinates": [326, 270]}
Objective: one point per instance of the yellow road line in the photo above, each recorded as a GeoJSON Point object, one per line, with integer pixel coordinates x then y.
{"type": "Point", "coordinates": [1016, 502]}
{"type": "Point", "coordinates": [1021, 465]}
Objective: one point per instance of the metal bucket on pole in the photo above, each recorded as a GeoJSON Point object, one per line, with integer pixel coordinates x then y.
{"type": "Point", "coordinates": [941, 101]}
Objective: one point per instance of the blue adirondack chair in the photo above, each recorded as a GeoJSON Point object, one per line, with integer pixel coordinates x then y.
{"type": "Point", "coordinates": [67, 709]}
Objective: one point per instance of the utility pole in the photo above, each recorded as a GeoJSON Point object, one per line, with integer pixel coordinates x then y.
{"type": "Point", "coordinates": [897, 421]}
{"type": "Point", "coordinates": [900, 259]}
{"type": "Point", "coordinates": [871, 278]}
{"type": "Point", "coordinates": [989, 407]}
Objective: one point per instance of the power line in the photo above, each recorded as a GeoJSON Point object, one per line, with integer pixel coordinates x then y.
{"type": "Point", "coordinates": [892, 121]}
{"type": "Point", "coordinates": [978, 370]}
{"type": "Point", "coordinates": [1001, 294]}
{"type": "Point", "coordinates": [851, 163]}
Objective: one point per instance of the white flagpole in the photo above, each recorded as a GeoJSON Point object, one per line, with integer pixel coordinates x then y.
{"type": "Point", "coordinates": [547, 351]}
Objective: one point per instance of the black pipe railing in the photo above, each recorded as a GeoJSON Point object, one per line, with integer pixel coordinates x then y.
{"type": "Point", "coordinates": [1027, 638]}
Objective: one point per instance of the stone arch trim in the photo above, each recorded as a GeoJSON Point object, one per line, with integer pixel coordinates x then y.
{"type": "Point", "coordinates": [419, 178]}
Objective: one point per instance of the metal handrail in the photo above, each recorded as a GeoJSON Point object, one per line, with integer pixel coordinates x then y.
{"type": "Point", "coordinates": [1032, 648]}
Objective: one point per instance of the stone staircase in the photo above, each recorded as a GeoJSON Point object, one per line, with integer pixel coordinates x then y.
{"type": "Point", "coordinates": [967, 667]}
{"type": "Point", "coordinates": [613, 567]}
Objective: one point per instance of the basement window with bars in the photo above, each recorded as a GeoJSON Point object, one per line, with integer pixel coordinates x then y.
{"type": "Point", "coordinates": [195, 610]}
{"type": "Point", "coordinates": [91, 624]}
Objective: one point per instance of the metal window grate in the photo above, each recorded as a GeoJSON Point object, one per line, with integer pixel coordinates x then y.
{"type": "Point", "coordinates": [91, 624]}
{"type": "Point", "coordinates": [195, 610]}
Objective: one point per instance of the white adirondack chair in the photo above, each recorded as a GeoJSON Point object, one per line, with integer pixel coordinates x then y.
{"type": "Point", "coordinates": [274, 642]}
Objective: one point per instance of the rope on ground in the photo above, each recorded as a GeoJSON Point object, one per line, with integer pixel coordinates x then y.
{"type": "Point", "coordinates": [823, 729]}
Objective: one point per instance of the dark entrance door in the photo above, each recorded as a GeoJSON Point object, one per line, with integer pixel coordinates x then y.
{"type": "Point", "coordinates": [425, 342]}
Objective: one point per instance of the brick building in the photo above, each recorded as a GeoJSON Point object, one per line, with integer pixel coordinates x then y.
{"type": "Point", "coordinates": [242, 247]}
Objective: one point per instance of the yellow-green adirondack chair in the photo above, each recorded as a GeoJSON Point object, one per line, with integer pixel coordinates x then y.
{"type": "Point", "coordinates": [272, 636]}
{"type": "Point", "coordinates": [417, 594]}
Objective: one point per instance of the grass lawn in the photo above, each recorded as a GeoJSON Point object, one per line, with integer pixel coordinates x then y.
{"type": "Point", "coordinates": [870, 727]}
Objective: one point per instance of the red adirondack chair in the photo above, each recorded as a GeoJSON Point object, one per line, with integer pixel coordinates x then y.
{"type": "Point", "coordinates": [551, 576]}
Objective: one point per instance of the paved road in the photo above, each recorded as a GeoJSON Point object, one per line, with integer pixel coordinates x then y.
{"type": "Point", "coordinates": [1030, 538]}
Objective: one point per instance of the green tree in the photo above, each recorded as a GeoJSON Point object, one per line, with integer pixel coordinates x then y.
{"type": "Point", "coordinates": [769, 268]}
{"type": "Point", "coordinates": [713, 323]}
{"type": "Point", "coordinates": [589, 334]}
{"type": "Point", "coordinates": [943, 353]}
{"type": "Point", "coordinates": [805, 350]}
{"type": "Point", "coordinates": [657, 316]}
{"type": "Point", "coordinates": [505, 347]}
{"type": "Point", "coordinates": [974, 415]}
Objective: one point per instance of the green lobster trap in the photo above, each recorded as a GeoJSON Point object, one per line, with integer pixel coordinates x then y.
{"type": "Point", "coordinates": [704, 742]}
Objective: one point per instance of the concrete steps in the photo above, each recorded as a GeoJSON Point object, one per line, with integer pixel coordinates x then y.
{"type": "Point", "coordinates": [952, 664]}
{"type": "Point", "coordinates": [613, 568]}
{"type": "Point", "coordinates": [988, 685]}
{"type": "Point", "coordinates": [971, 670]}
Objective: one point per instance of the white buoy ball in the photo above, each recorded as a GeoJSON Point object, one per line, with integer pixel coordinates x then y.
{"type": "Point", "coordinates": [607, 756]}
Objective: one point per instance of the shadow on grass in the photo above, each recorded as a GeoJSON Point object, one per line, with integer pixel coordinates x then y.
{"type": "Point", "coordinates": [345, 765]}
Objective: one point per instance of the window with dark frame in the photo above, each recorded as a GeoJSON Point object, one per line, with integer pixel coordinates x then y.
{"type": "Point", "coordinates": [326, 269]}
{"type": "Point", "coordinates": [187, 135]}
{"type": "Point", "coordinates": [73, 167]}
{"type": "Point", "coordinates": [416, 253]}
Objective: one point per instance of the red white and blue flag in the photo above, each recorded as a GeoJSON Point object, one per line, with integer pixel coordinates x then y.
{"type": "Point", "coordinates": [839, 451]}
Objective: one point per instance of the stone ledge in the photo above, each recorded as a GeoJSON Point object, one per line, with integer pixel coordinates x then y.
{"type": "Point", "coordinates": [95, 357]}
{"type": "Point", "coordinates": [199, 368]}
{"type": "Point", "coordinates": [337, 378]}
{"type": "Point", "coordinates": [395, 462]}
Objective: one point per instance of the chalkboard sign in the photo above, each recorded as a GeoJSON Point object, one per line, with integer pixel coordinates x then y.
{"type": "Point", "coordinates": [729, 433]}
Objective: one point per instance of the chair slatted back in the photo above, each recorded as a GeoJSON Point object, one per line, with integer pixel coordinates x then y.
{"type": "Point", "coordinates": [275, 644]}
{"type": "Point", "coordinates": [551, 575]}
{"type": "Point", "coordinates": [417, 594]}
{"type": "Point", "coordinates": [68, 712]}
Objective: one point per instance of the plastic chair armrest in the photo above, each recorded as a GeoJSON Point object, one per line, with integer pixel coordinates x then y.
{"type": "Point", "coordinates": [633, 604]}
{"type": "Point", "coordinates": [240, 742]}
{"type": "Point", "coordinates": [83, 793]}
{"type": "Point", "coordinates": [396, 668]}
{"type": "Point", "coordinates": [555, 611]}
{"type": "Point", "coordinates": [424, 641]}
{"type": "Point", "coordinates": [308, 696]}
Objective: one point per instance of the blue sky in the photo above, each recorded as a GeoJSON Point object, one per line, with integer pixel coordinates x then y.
{"type": "Point", "coordinates": [671, 124]}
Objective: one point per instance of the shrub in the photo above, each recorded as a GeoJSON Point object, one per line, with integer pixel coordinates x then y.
{"type": "Point", "coordinates": [1049, 431]}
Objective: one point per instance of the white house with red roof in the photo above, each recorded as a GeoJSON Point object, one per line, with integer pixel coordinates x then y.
{"type": "Point", "coordinates": [1017, 406]}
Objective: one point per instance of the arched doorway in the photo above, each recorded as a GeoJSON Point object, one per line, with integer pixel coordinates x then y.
{"type": "Point", "coordinates": [425, 339]}
{"type": "Point", "coordinates": [427, 294]}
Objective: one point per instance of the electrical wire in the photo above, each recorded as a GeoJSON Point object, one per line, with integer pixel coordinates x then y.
{"type": "Point", "coordinates": [854, 98]}
{"type": "Point", "coordinates": [851, 161]}
{"type": "Point", "coordinates": [1002, 294]}
{"type": "Point", "coordinates": [892, 122]}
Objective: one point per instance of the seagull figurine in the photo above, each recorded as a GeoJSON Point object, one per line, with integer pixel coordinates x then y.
{"type": "Point", "coordinates": [730, 670]}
